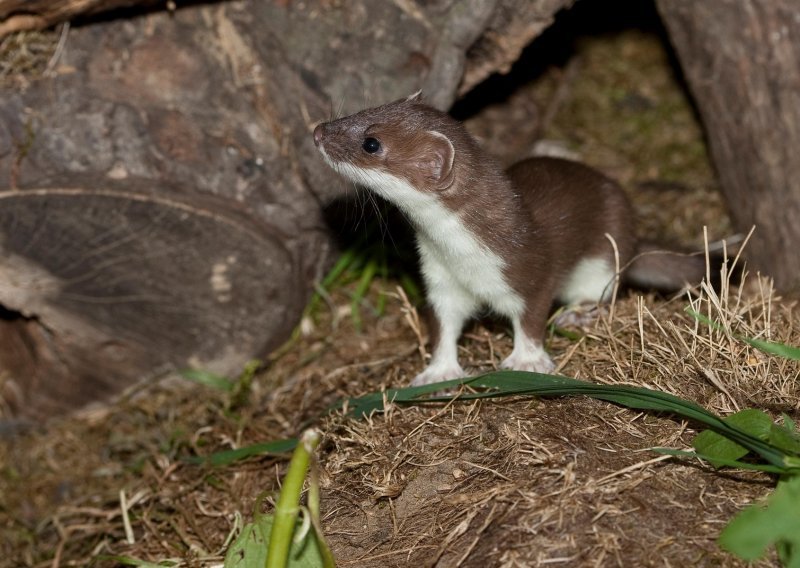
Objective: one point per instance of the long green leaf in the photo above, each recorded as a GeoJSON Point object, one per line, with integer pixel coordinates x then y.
{"type": "Point", "coordinates": [508, 383]}
{"type": "Point", "coordinates": [721, 461]}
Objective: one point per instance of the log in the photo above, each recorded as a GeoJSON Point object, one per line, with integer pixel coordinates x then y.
{"type": "Point", "coordinates": [741, 59]}
{"type": "Point", "coordinates": [160, 194]}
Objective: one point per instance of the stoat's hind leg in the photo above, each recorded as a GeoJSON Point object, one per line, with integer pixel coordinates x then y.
{"type": "Point", "coordinates": [528, 354]}
{"type": "Point", "coordinates": [590, 282]}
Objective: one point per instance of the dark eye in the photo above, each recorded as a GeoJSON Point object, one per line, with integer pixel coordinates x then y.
{"type": "Point", "coordinates": [371, 145]}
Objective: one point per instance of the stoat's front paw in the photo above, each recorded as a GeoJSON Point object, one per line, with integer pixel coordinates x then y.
{"type": "Point", "coordinates": [536, 362]}
{"type": "Point", "coordinates": [437, 375]}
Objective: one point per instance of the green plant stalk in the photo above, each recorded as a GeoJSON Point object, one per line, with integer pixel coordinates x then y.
{"type": "Point", "coordinates": [280, 540]}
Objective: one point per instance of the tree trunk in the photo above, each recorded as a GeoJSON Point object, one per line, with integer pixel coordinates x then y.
{"type": "Point", "coordinates": [742, 62]}
{"type": "Point", "coordinates": [160, 195]}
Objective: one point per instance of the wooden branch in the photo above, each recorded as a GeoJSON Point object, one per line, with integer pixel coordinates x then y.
{"type": "Point", "coordinates": [20, 15]}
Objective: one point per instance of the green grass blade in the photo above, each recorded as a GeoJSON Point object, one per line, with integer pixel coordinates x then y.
{"type": "Point", "coordinates": [364, 282]}
{"type": "Point", "coordinates": [208, 379]}
{"type": "Point", "coordinates": [131, 561]}
{"type": "Point", "coordinates": [227, 457]}
{"type": "Point", "coordinates": [345, 260]}
{"type": "Point", "coordinates": [771, 347]}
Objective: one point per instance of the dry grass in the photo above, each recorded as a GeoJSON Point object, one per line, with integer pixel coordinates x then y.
{"type": "Point", "coordinates": [564, 481]}
{"type": "Point", "coordinates": [26, 56]}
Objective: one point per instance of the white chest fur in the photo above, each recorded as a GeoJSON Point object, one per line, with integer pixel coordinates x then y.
{"type": "Point", "coordinates": [452, 256]}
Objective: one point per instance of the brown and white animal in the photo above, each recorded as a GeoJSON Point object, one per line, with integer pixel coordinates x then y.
{"type": "Point", "coordinates": [514, 241]}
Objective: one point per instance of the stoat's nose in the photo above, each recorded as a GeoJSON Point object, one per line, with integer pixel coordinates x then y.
{"type": "Point", "coordinates": [318, 132]}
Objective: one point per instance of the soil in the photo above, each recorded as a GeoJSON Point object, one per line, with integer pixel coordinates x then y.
{"type": "Point", "coordinates": [504, 482]}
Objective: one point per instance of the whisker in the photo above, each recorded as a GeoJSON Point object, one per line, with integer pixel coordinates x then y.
{"type": "Point", "coordinates": [340, 109]}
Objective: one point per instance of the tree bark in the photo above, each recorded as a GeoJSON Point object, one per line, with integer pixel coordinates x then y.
{"type": "Point", "coordinates": [742, 62]}
{"type": "Point", "coordinates": [161, 195]}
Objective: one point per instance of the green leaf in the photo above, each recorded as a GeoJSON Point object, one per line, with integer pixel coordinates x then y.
{"type": "Point", "coordinates": [412, 290]}
{"type": "Point", "coordinates": [716, 447]}
{"type": "Point", "coordinates": [229, 456]}
{"type": "Point", "coordinates": [753, 421]}
{"type": "Point", "coordinates": [208, 379]}
{"type": "Point", "coordinates": [249, 550]}
{"type": "Point", "coordinates": [754, 529]}
{"type": "Point", "coordinates": [784, 438]}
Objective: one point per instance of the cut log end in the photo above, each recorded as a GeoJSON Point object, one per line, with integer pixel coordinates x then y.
{"type": "Point", "coordinates": [102, 288]}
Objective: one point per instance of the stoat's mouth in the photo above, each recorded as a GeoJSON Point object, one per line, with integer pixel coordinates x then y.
{"type": "Point", "coordinates": [328, 160]}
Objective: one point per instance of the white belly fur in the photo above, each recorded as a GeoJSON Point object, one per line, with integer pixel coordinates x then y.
{"type": "Point", "coordinates": [592, 280]}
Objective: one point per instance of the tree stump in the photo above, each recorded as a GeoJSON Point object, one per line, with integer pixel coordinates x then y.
{"type": "Point", "coordinates": [742, 62]}
{"type": "Point", "coordinates": [161, 197]}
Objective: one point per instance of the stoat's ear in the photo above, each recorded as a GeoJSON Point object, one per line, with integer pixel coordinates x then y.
{"type": "Point", "coordinates": [436, 159]}
{"type": "Point", "coordinates": [415, 98]}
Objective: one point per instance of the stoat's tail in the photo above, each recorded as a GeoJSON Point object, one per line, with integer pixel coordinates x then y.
{"type": "Point", "coordinates": [656, 268]}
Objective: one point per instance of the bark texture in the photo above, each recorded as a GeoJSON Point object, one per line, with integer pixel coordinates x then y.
{"type": "Point", "coordinates": [742, 61]}
{"type": "Point", "coordinates": [160, 193]}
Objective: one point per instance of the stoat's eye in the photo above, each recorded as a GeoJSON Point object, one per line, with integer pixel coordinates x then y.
{"type": "Point", "coordinates": [371, 145]}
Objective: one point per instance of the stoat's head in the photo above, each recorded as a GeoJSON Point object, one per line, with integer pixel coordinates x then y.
{"type": "Point", "coordinates": [405, 140]}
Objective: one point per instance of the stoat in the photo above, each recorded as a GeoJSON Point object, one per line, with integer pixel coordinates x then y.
{"type": "Point", "coordinates": [514, 241]}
